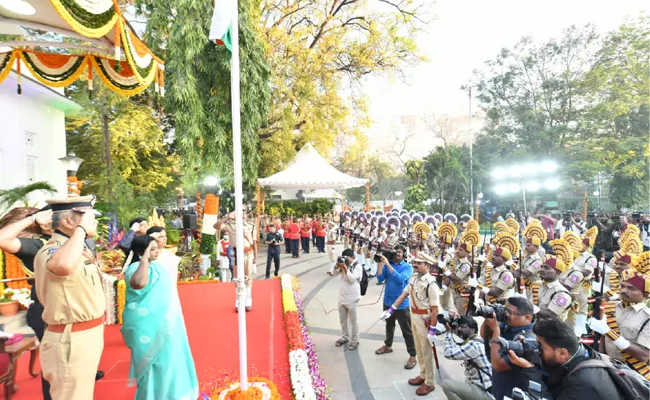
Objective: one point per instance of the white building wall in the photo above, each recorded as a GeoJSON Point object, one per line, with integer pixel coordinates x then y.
{"type": "Point", "coordinates": [32, 139]}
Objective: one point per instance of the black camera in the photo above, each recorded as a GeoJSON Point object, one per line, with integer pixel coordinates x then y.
{"type": "Point", "coordinates": [526, 348]}
{"type": "Point", "coordinates": [487, 311]}
{"type": "Point", "coordinates": [567, 216]}
{"type": "Point", "coordinates": [389, 254]}
{"type": "Point", "coordinates": [341, 260]}
{"type": "Point", "coordinates": [453, 322]}
{"type": "Point", "coordinates": [636, 217]}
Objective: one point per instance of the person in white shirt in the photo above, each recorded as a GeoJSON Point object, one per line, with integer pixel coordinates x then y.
{"type": "Point", "coordinates": [575, 224]}
{"type": "Point", "coordinates": [349, 295]}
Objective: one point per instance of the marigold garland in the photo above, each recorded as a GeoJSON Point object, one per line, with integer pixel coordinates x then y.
{"type": "Point", "coordinates": [121, 299]}
{"type": "Point", "coordinates": [254, 391]}
{"type": "Point", "coordinates": [14, 268]}
{"type": "Point", "coordinates": [84, 22]}
{"type": "Point", "coordinates": [2, 270]}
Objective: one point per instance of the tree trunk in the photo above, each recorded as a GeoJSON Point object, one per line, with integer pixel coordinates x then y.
{"type": "Point", "coordinates": [107, 152]}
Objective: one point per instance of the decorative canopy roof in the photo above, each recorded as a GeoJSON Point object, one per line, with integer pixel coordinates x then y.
{"type": "Point", "coordinates": [62, 40]}
{"type": "Point", "coordinates": [309, 170]}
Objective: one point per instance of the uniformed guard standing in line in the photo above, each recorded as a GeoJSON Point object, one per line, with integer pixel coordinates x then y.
{"type": "Point", "coordinates": [331, 243]}
{"type": "Point", "coordinates": [572, 279]}
{"type": "Point", "coordinates": [554, 299]}
{"type": "Point", "coordinates": [70, 288]}
{"type": "Point", "coordinates": [586, 262]}
{"type": "Point", "coordinates": [498, 279]}
{"type": "Point", "coordinates": [443, 256]}
{"type": "Point", "coordinates": [457, 277]}
{"type": "Point", "coordinates": [627, 336]}
{"type": "Point", "coordinates": [530, 269]}
{"type": "Point", "coordinates": [423, 292]}
{"type": "Point", "coordinates": [229, 225]}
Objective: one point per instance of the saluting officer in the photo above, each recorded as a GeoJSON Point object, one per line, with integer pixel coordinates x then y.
{"type": "Point", "coordinates": [69, 285]}
{"type": "Point", "coordinates": [423, 292]}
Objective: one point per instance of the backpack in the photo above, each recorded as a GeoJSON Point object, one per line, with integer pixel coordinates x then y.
{"type": "Point", "coordinates": [629, 382]}
{"type": "Point", "coordinates": [363, 283]}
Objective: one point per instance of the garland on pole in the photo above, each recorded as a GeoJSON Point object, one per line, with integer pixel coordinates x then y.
{"type": "Point", "coordinates": [199, 220]}
{"type": "Point", "coordinates": [367, 196]}
{"type": "Point", "coordinates": [585, 207]}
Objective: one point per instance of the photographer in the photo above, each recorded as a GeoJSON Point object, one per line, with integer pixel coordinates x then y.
{"type": "Point", "coordinates": [515, 322]}
{"type": "Point", "coordinates": [478, 370]}
{"type": "Point", "coordinates": [396, 273]}
{"type": "Point", "coordinates": [349, 295]}
{"type": "Point", "coordinates": [561, 355]}
{"type": "Point", "coordinates": [273, 240]}
{"type": "Point", "coordinates": [605, 240]}
{"type": "Point", "coordinates": [570, 223]}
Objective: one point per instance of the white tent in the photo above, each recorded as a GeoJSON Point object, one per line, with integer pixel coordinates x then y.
{"type": "Point", "coordinates": [322, 194]}
{"type": "Point", "coordinates": [309, 170]}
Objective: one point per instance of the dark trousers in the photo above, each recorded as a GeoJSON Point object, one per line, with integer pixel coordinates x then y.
{"type": "Point", "coordinates": [287, 245]}
{"type": "Point", "coordinates": [305, 244]}
{"type": "Point", "coordinates": [295, 247]}
{"type": "Point", "coordinates": [35, 321]}
{"type": "Point", "coordinates": [320, 243]}
{"type": "Point", "coordinates": [273, 255]}
{"type": "Point", "coordinates": [404, 319]}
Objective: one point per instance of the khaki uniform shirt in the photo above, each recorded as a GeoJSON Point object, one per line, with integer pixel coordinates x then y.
{"type": "Point", "coordinates": [586, 262]}
{"type": "Point", "coordinates": [331, 235]}
{"type": "Point", "coordinates": [572, 279]}
{"type": "Point", "coordinates": [77, 297]}
{"type": "Point", "coordinates": [555, 297]}
{"type": "Point", "coordinates": [533, 264]}
{"type": "Point", "coordinates": [423, 292]}
{"type": "Point", "coordinates": [630, 319]}
{"type": "Point", "coordinates": [249, 234]}
{"type": "Point", "coordinates": [502, 279]}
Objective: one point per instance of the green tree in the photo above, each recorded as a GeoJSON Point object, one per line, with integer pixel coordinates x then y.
{"type": "Point", "coordinates": [20, 194]}
{"type": "Point", "coordinates": [198, 84]}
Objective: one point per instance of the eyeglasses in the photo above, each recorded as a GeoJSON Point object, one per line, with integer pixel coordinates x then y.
{"type": "Point", "coordinates": [510, 312]}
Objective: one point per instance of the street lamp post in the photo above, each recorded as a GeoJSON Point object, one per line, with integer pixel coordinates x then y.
{"type": "Point", "coordinates": [471, 151]}
{"type": "Point", "coordinates": [72, 163]}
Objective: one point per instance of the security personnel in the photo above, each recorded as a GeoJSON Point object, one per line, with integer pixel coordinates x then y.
{"type": "Point", "coordinates": [586, 263]}
{"type": "Point", "coordinates": [70, 288]}
{"type": "Point", "coordinates": [498, 279]}
{"type": "Point", "coordinates": [572, 279]}
{"type": "Point", "coordinates": [443, 256]}
{"type": "Point", "coordinates": [229, 225]}
{"type": "Point", "coordinates": [423, 293]}
{"type": "Point", "coordinates": [627, 337]}
{"type": "Point", "coordinates": [554, 299]}
{"type": "Point", "coordinates": [457, 277]}
{"type": "Point", "coordinates": [530, 269]}
{"type": "Point", "coordinates": [305, 234]}
{"type": "Point", "coordinates": [331, 243]}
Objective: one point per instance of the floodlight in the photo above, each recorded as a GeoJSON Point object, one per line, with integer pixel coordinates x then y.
{"type": "Point", "coordinates": [533, 186]}
{"type": "Point", "coordinates": [513, 187]}
{"type": "Point", "coordinates": [515, 171]}
{"type": "Point", "coordinates": [529, 169]}
{"type": "Point", "coordinates": [211, 181]}
{"type": "Point", "coordinates": [596, 193]}
{"type": "Point", "coordinates": [498, 173]}
{"type": "Point", "coordinates": [549, 166]}
{"type": "Point", "coordinates": [552, 184]}
{"type": "Point", "coordinates": [21, 7]}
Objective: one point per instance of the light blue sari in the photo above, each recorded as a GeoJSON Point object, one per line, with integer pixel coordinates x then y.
{"type": "Point", "coordinates": [154, 330]}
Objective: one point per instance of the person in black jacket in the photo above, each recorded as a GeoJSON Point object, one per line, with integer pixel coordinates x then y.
{"type": "Point", "coordinates": [561, 352]}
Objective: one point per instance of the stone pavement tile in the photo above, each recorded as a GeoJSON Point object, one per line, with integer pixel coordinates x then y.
{"type": "Point", "coordinates": [387, 393]}
{"type": "Point", "coordinates": [333, 369]}
{"type": "Point", "coordinates": [342, 395]}
{"type": "Point", "coordinates": [408, 392]}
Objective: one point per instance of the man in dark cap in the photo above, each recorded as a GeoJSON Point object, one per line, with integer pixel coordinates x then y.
{"type": "Point", "coordinates": [69, 286]}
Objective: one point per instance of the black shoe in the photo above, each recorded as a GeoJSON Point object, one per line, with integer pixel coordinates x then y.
{"type": "Point", "coordinates": [99, 375]}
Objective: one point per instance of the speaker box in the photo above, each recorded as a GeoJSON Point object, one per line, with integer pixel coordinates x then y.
{"type": "Point", "coordinates": [189, 221]}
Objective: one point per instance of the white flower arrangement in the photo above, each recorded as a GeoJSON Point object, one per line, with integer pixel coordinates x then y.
{"type": "Point", "coordinates": [300, 376]}
{"type": "Point", "coordinates": [286, 283]}
{"type": "Point", "coordinates": [22, 296]}
{"type": "Point", "coordinates": [108, 282]}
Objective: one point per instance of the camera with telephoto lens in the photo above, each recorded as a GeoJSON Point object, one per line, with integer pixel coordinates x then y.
{"type": "Point", "coordinates": [341, 260]}
{"type": "Point", "coordinates": [388, 253]}
{"type": "Point", "coordinates": [525, 348]}
{"type": "Point", "coordinates": [487, 311]}
{"type": "Point", "coordinates": [453, 322]}
{"type": "Point", "coordinates": [567, 216]}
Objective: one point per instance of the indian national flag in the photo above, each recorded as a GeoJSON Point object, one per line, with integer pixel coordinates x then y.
{"type": "Point", "coordinates": [221, 27]}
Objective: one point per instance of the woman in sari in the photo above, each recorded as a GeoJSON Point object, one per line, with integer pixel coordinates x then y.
{"type": "Point", "coordinates": [154, 330]}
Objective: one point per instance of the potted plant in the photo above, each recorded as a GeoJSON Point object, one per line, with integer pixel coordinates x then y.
{"type": "Point", "coordinates": [8, 306]}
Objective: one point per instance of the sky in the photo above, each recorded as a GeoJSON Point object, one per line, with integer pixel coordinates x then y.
{"type": "Point", "coordinates": [466, 33]}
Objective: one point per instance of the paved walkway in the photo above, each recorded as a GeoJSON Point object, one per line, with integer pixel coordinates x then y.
{"type": "Point", "coordinates": [359, 374]}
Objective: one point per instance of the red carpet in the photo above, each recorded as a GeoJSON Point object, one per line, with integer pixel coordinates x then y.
{"type": "Point", "coordinates": [211, 322]}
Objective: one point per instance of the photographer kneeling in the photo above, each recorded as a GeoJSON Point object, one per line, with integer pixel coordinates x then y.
{"type": "Point", "coordinates": [478, 371]}
{"type": "Point", "coordinates": [509, 322]}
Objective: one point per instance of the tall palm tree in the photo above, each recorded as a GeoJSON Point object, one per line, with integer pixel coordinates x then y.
{"type": "Point", "coordinates": [20, 194]}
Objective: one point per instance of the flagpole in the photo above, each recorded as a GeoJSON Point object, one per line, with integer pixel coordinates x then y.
{"type": "Point", "coordinates": [236, 153]}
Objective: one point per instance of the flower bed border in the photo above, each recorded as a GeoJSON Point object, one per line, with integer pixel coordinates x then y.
{"type": "Point", "coordinates": [304, 368]}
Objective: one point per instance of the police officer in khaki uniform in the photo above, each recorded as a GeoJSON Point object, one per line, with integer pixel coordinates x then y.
{"type": "Point", "coordinates": [572, 279]}
{"type": "Point", "coordinates": [586, 262]}
{"type": "Point", "coordinates": [554, 299]}
{"type": "Point", "coordinates": [443, 256]}
{"type": "Point", "coordinates": [70, 288]}
{"type": "Point", "coordinates": [457, 278]}
{"type": "Point", "coordinates": [628, 338]}
{"type": "Point", "coordinates": [423, 292]}
{"type": "Point", "coordinates": [530, 269]}
{"type": "Point", "coordinates": [498, 279]}
{"type": "Point", "coordinates": [229, 225]}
